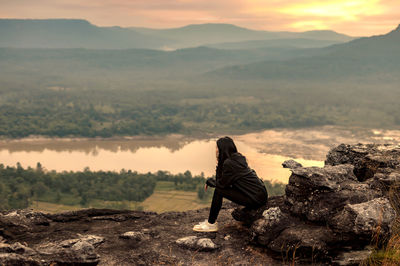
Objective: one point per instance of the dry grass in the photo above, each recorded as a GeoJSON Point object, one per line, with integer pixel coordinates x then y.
{"type": "Point", "coordinates": [174, 200]}
{"type": "Point", "coordinates": [53, 207]}
{"type": "Point", "coordinates": [163, 199]}
{"type": "Point", "coordinates": [389, 255]}
{"type": "Point", "coordinates": [160, 201]}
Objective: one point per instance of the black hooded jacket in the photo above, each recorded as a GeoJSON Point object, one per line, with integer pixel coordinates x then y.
{"type": "Point", "coordinates": [237, 174]}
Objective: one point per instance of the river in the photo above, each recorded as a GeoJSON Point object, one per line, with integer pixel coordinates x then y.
{"type": "Point", "coordinates": [265, 151]}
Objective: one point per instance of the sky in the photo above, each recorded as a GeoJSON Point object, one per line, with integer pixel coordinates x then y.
{"type": "Point", "coordinates": [353, 17]}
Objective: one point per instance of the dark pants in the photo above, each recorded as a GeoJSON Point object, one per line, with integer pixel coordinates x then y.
{"type": "Point", "coordinates": [231, 194]}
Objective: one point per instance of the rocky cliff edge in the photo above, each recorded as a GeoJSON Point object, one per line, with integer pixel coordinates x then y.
{"type": "Point", "coordinates": [330, 215]}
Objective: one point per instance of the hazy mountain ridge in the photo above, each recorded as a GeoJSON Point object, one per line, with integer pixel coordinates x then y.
{"type": "Point", "coordinates": [211, 33]}
{"type": "Point", "coordinates": [75, 33]}
{"type": "Point", "coordinates": [72, 33]}
{"type": "Point", "coordinates": [139, 62]}
{"type": "Point", "coordinates": [49, 63]}
{"type": "Point", "coordinates": [376, 55]}
{"type": "Point", "coordinates": [281, 43]}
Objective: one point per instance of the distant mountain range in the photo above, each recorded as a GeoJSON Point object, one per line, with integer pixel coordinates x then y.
{"type": "Point", "coordinates": [205, 34]}
{"type": "Point", "coordinates": [274, 43]}
{"type": "Point", "coordinates": [107, 66]}
{"type": "Point", "coordinates": [377, 56]}
{"type": "Point", "coordinates": [74, 33]}
{"type": "Point", "coordinates": [71, 33]}
{"type": "Point", "coordinates": [284, 58]}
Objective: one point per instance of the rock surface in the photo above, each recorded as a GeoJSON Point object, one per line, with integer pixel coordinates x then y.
{"type": "Point", "coordinates": [108, 237]}
{"type": "Point", "coordinates": [71, 251]}
{"type": "Point", "coordinates": [291, 164]}
{"type": "Point", "coordinates": [366, 158]}
{"type": "Point", "coordinates": [327, 216]}
{"type": "Point", "coordinates": [136, 236]}
{"type": "Point", "coordinates": [345, 205]}
{"type": "Point", "coordinates": [362, 219]}
{"type": "Point", "coordinates": [196, 243]}
{"type": "Point", "coordinates": [273, 222]}
{"type": "Point", "coordinates": [316, 193]}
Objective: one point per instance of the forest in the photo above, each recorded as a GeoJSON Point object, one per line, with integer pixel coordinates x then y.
{"type": "Point", "coordinates": [192, 109]}
{"type": "Point", "coordinates": [103, 93]}
{"type": "Point", "coordinates": [20, 187]}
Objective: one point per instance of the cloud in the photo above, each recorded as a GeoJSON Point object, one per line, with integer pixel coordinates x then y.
{"type": "Point", "coordinates": [356, 17]}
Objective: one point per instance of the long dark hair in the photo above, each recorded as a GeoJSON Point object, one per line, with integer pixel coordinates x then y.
{"type": "Point", "coordinates": [226, 147]}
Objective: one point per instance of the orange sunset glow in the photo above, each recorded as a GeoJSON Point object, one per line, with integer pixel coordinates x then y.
{"type": "Point", "coordinates": [353, 17]}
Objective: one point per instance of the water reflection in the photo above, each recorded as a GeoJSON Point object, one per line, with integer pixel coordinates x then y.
{"type": "Point", "coordinates": [176, 156]}
{"type": "Point", "coordinates": [265, 151]}
{"type": "Point", "coordinates": [92, 146]}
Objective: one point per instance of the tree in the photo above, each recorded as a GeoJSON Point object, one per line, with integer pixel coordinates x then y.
{"type": "Point", "coordinates": [201, 193]}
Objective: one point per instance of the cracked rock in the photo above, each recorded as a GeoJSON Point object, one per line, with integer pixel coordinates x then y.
{"type": "Point", "coordinates": [196, 243]}
{"type": "Point", "coordinates": [138, 236]}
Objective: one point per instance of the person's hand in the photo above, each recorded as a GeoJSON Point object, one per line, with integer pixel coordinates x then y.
{"type": "Point", "coordinates": [210, 182]}
{"type": "Point", "coordinates": [205, 187]}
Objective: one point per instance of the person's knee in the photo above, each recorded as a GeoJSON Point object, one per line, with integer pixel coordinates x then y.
{"type": "Point", "coordinates": [219, 191]}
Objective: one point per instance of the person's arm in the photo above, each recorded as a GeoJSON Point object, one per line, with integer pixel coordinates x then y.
{"type": "Point", "coordinates": [227, 175]}
{"type": "Point", "coordinates": [211, 182]}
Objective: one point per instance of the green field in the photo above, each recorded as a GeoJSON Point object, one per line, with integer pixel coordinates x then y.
{"type": "Point", "coordinates": [174, 200]}
{"type": "Point", "coordinates": [164, 199]}
{"type": "Point", "coordinates": [52, 207]}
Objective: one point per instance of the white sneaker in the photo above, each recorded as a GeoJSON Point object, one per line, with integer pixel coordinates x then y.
{"type": "Point", "coordinates": [206, 227]}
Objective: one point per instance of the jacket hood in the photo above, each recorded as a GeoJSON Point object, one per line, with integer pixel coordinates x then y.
{"type": "Point", "coordinates": [239, 159]}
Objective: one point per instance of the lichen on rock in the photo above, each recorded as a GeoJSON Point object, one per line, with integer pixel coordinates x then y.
{"type": "Point", "coordinates": [364, 219]}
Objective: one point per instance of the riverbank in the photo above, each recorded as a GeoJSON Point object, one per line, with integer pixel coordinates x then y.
{"type": "Point", "coordinates": [177, 153]}
{"type": "Point", "coordinates": [310, 143]}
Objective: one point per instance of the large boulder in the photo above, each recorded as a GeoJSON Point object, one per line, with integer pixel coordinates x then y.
{"type": "Point", "coordinates": [317, 194]}
{"type": "Point", "coordinates": [340, 208]}
{"type": "Point", "coordinates": [305, 241]}
{"type": "Point", "coordinates": [365, 220]}
{"type": "Point", "coordinates": [286, 234]}
{"type": "Point", "coordinates": [366, 158]}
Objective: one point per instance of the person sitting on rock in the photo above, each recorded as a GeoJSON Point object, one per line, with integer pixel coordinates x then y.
{"type": "Point", "coordinates": [234, 181]}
